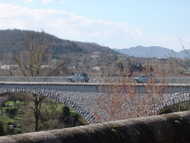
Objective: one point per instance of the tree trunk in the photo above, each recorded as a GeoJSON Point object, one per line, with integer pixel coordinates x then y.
{"type": "Point", "coordinates": [37, 109]}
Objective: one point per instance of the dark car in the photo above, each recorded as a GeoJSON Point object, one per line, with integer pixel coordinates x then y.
{"type": "Point", "coordinates": [142, 79]}
{"type": "Point", "coordinates": [145, 79]}
{"type": "Point", "coordinates": [78, 77]}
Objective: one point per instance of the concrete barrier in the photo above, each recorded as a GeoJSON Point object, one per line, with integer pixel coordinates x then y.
{"type": "Point", "coordinates": [168, 128]}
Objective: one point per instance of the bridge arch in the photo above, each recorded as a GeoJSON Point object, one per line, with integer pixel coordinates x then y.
{"type": "Point", "coordinates": [170, 100]}
{"type": "Point", "coordinates": [56, 95]}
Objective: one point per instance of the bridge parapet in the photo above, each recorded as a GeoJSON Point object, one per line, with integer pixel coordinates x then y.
{"type": "Point", "coordinates": [170, 128]}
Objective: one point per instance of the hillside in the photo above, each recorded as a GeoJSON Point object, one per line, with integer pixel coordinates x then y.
{"type": "Point", "coordinates": [154, 52]}
{"type": "Point", "coordinates": [80, 56]}
{"type": "Point", "coordinates": [13, 40]}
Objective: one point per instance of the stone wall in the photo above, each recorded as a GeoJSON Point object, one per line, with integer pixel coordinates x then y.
{"type": "Point", "coordinates": [168, 128]}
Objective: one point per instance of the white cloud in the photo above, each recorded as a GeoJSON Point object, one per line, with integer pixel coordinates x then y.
{"type": "Point", "coordinates": [49, 1]}
{"type": "Point", "coordinates": [44, 1]}
{"type": "Point", "coordinates": [64, 24]}
{"type": "Point", "coordinates": [28, 0]}
{"type": "Point", "coordinates": [70, 26]}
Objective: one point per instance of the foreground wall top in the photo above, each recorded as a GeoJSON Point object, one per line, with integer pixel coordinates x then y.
{"type": "Point", "coordinates": [170, 128]}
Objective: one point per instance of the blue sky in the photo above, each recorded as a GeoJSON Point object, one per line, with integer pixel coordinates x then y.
{"type": "Point", "coordinates": [117, 24]}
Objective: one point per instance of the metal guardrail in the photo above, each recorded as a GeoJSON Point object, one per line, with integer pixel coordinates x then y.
{"type": "Point", "coordinates": [93, 79]}
{"type": "Point", "coordinates": [33, 79]}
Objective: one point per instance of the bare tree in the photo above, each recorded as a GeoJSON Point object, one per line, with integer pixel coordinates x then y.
{"type": "Point", "coordinates": [121, 100]}
{"type": "Point", "coordinates": [30, 62]}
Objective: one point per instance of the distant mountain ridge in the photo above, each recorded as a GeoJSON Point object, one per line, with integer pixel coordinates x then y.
{"type": "Point", "coordinates": [154, 52]}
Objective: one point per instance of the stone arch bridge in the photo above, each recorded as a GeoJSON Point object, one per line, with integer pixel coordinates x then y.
{"type": "Point", "coordinates": [82, 96]}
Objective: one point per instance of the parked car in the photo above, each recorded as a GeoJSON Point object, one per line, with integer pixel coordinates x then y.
{"type": "Point", "coordinates": [78, 77]}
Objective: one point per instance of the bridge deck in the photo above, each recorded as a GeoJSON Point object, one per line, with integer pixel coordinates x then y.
{"type": "Point", "coordinates": [97, 87]}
